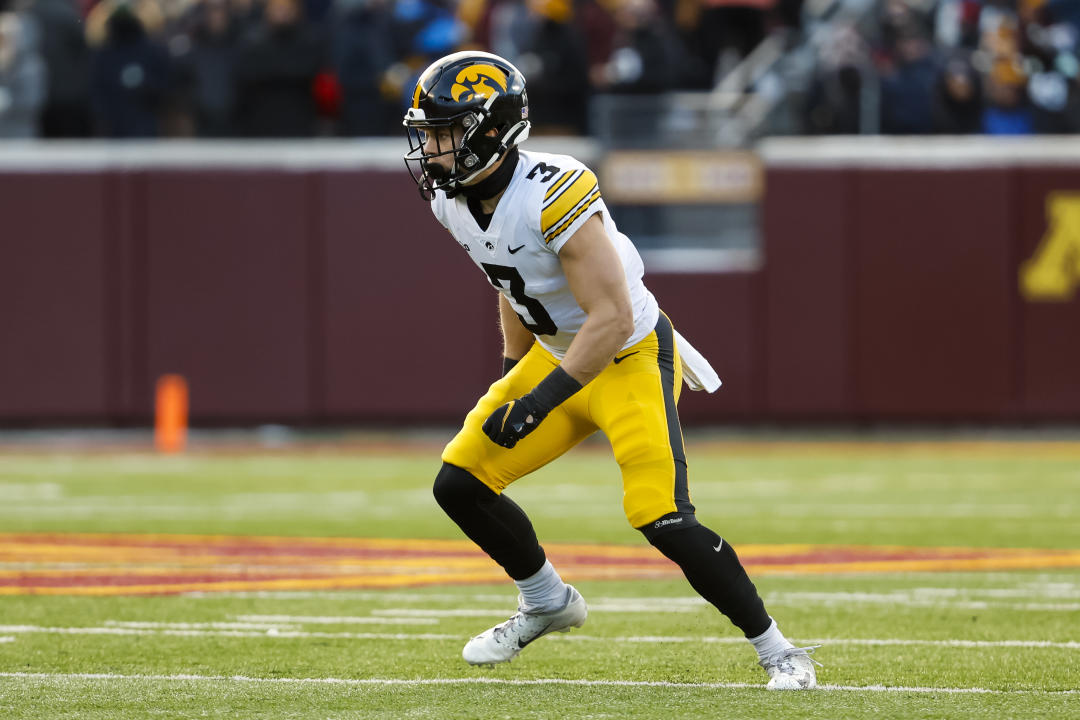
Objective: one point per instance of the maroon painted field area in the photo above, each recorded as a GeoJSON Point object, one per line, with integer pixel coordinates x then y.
{"type": "Point", "coordinates": [119, 564]}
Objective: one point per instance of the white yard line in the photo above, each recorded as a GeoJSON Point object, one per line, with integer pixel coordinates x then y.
{"type": "Point", "coordinates": [501, 681]}
{"type": "Point", "coordinates": [457, 612]}
{"type": "Point", "coordinates": [407, 619]}
{"type": "Point", "coordinates": [114, 628]}
{"type": "Point", "coordinates": [265, 622]}
{"type": "Point", "coordinates": [652, 606]}
{"type": "Point", "coordinates": [1069, 645]}
{"type": "Point", "coordinates": [146, 625]}
{"type": "Point", "coordinates": [7, 638]}
{"type": "Point", "coordinates": [917, 597]}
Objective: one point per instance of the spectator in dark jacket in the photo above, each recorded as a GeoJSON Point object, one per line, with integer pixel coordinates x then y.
{"type": "Point", "coordinates": [906, 94]}
{"type": "Point", "coordinates": [208, 69]}
{"type": "Point", "coordinates": [958, 99]}
{"type": "Point", "coordinates": [363, 51]}
{"type": "Point", "coordinates": [555, 61]}
{"type": "Point", "coordinates": [130, 78]}
{"type": "Point", "coordinates": [275, 72]}
{"type": "Point", "coordinates": [67, 106]}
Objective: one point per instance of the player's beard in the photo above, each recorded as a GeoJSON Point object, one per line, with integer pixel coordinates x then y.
{"type": "Point", "coordinates": [435, 171]}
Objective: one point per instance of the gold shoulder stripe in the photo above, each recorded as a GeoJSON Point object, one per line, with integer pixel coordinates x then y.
{"type": "Point", "coordinates": [563, 204]}
{"type": "Point", "coordinates": [560, 225]}
{"type": "Point", "coordinates": [571, 178]}
{"type": "Point", "coordinates": [585, 205]}
{"type": "Point", "coordinates": [558, 184]}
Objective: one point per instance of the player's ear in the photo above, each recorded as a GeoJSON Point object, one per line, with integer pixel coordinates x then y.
{"type": "Point", "coordinates": [492, 133]}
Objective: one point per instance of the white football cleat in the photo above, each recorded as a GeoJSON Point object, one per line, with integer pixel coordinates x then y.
{"type": "Point", "coordinates": [791, 669]}
{"type": "Point", "coordinates": [503, 642]}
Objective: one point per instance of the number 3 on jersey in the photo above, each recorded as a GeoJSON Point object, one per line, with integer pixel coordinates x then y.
{"type": "Point", "coordinates": [542, 323]}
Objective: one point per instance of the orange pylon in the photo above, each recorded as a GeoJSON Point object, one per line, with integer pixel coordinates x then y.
{"type": "Point", "coordinates": [171, 414]}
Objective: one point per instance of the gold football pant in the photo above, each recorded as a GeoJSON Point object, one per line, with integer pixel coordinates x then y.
{"type": "Point", "coordinates": [633, 401]}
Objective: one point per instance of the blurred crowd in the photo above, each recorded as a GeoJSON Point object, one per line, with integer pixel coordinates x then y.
{"type": "Point", "coordinates": [1000, 67]}
{"type": "Point", "coordinates": [302, 68]}
{"type": "Point", "coordinates": [299, 68]}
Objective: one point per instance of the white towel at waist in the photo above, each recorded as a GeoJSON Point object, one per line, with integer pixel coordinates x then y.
{"type": "Point", "coordinates": [697, 371]}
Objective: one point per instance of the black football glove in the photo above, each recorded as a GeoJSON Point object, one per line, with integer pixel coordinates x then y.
{"type": "Point", "coordinates": [518, 418]}
{"type": "Point", "coordinates": [513, 421]}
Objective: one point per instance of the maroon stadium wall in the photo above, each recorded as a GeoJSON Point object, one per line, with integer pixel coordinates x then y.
{"type": "Point", "coordinates": [899, 282]}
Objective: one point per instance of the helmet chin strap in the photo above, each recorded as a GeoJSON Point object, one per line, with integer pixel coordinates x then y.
{"type": "Point", "coordinates": [518, 133]}
{"type": "Point", "coordinates": [496, 182]}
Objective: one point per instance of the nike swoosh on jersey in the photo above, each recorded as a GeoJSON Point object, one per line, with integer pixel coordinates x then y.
{"type": "Point", "coordinates": [514, 250]}
{"type": "Point", "coordinates": [620, 359]}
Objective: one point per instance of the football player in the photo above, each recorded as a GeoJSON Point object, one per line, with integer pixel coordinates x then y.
{"type": "Point", "coordinates": [586, 348]}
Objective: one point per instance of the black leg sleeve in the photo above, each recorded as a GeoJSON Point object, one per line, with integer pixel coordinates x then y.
{"type": "Point", "coordinates": [491, 520]}
{"type": "Point", "coordinates": [714, 571]}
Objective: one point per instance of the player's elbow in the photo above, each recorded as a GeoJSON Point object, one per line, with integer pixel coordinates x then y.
{"type": "Point", "coordinates": [622, 322]}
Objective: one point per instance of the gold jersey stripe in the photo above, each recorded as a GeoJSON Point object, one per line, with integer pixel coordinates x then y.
{"type": "Point", "coordinates": [564, 203]}
{"type": "Point", "coordinates": [558, 184]}
{"type": "Point", "coordinates": [571, 178]}
{"type": "Point", "coordinates": [575, 212]}
{"type": "Point", "coordinates": [589, 201]}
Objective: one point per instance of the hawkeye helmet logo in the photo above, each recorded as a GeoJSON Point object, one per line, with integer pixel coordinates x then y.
{"type": "Point", "coordinates": [478, 81]}
{"type": "Point", "coordinates": [1053, 272]}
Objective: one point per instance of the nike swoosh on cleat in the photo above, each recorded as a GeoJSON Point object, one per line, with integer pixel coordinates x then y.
{"type": "Point", "coordinates": [523, 643]}
{"type": "Point", "coordinates": [514, 250]}
{"type": "Point", "coordinates": [620, 359]}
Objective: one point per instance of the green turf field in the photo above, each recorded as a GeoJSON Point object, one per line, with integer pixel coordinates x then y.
{"type": "Point", "coordinates": [994, 643]}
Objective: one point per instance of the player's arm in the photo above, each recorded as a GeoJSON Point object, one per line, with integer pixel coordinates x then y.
{"type": "Point", "coordinates": [596, 278]}
{"type": "Point", "coordinates": [516, 337]}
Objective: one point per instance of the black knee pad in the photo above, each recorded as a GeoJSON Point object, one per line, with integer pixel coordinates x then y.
{"type": "Point", "coordinates": [492, 521]}
{"type": "Point", "coordinates": [456, 490]}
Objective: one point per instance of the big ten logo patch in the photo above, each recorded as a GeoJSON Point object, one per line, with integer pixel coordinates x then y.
{"type": "Point", "coordinates": [1053, 271]}
{"type": "Point", "coordinates": [478, 81]}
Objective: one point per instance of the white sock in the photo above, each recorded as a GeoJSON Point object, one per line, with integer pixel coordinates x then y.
{"type": "Point", "coordinates": [770, 642]}
{"type": "Point", "coordinates": [543, 591]}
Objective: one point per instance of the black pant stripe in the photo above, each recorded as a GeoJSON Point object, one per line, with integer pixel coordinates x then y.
{"type": "Point", "coordinates": [666, 358]}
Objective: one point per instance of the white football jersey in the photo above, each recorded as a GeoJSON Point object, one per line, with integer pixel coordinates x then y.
{"type": "Point", "coordinates": [547, 200]}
